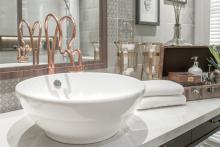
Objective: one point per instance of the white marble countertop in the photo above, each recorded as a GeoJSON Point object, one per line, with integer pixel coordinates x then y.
{"type": "Point", "coordinates": [163, 124]}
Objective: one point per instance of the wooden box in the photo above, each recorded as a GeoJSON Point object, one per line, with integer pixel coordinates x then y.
{"type": "Point", "coordinates": [185, 78]}
{"type": "Point", "coordinates": [177, 61]}
{"type": "Point", "coordinates": [202, 92]}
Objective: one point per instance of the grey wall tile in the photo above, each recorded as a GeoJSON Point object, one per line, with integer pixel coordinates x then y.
{"type": "Point", "coordinates": [126, 9]}
{"type": "Point", "coordinates": [112, 30]}
{"type": "Point", "coordinates": [8, 100]}
{"type": "Point", "coordinates": [112, 8]}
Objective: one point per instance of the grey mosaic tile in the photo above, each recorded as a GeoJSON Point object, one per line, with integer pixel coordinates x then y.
{"type": "Point", "coordinates": [112, 30]}
{"type": "Point", "coordinates": [8, 86]}
{"type": "Point", "coordinates": [125, 9]}
{"type": "Point", "coordinates": [112, 55]}
{"type": "Point", "coordinates": [8, 100]}
{"type": "Point", "coordinates": [126, 30]}
{"type": "Point", "coordinates": [112, 6]}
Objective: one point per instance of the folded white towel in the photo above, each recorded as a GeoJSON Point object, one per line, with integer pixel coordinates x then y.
{"type": "Point", "coordinates": [161, 101]}
{"type": "Point", "coordinates": [162, 87]}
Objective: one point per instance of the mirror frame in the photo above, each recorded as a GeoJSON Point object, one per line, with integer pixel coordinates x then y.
{"type": "Point", "coordinates": [30, 71]}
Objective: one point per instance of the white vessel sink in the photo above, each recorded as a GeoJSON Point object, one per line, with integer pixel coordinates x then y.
{"type": "Point", "coordinates": [79, 108]}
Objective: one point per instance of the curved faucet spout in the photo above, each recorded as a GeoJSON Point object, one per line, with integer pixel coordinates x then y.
{"type": "Point", "coordinates": [20, 32]}
{"type": "Point", "coordinates": [51, 50]}
{"type": "Point", "coordinates": [68, 50]}
{"type": "Point", "coordinates": [36, 51]}
{"type": "Point", "coordinates": [73, 26]}
{"type": "Point", "coordinates": [24, 48]}
{"type": "Point", "coordinates": [72, 54]}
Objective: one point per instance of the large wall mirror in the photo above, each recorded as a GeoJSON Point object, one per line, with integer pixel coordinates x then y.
{"type": "Point", "coordinates": [90, 17]}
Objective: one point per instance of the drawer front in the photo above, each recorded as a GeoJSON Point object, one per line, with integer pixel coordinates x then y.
{"type": "Point", "coordinates": [181, 141]}
{"type": "Point", "coordinates": [196, 135]}
{"type": "Point", "coordinates": [205, 129]}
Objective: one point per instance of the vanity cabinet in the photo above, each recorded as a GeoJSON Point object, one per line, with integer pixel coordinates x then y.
{"type": "Point", "coordinates": [181, 141]}
{"type": "Point", "coordinates": [196, 135]}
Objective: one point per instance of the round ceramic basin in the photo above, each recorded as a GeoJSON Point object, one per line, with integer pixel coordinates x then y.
{"type": "Point", "coordinates": [79, 108]}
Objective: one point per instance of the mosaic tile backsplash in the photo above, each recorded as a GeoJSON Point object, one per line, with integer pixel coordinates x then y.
{"type": "Point", "coordinates": [8, 100]}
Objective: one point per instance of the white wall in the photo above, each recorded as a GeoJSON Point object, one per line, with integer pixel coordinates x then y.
{"type": "Point", "coordinates": [202, 22]}
{"type": "Point", "coordinates": [164, 32]}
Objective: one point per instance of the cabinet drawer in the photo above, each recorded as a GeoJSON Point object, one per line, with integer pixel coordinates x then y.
{"type": "Point", "coordinates": [181, 141]}
{"type": "Point", "coordinates": [205, 129]}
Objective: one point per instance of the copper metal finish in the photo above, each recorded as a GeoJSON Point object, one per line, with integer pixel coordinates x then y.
{"type": "Point", "coordinates": [75, 66]}
{"type": "Point", "coordinates": [22, 53]}
{"type": "Point", "coordinates": [152, 54]}
{"type": "Point", "coordinates": [51, 50]}
{"type": "Point", "coordinates": [24, 48]}
{"type": "Point", "coordinates": [131, 55]}
{"type": "Point", "coordinates": [73, 24]}
{"type": "Point", "coordinates": [36, 52]}
{"type": "Point", "coordinates": [71, 53]}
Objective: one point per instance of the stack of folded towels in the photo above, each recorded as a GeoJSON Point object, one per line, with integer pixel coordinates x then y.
{"type": "Point", "coordinates": [162, 93]}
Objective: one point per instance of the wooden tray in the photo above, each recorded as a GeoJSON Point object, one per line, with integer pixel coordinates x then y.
{"type": "Point", "coordinates": [202, 92]}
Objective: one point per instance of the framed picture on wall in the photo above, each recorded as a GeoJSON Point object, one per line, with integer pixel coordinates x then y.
{"type": "Point", "coordinates": [148, 12]}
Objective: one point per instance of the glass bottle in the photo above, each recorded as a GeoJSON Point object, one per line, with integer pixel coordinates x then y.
{"type": "Point", "coordinates": [177, 38]}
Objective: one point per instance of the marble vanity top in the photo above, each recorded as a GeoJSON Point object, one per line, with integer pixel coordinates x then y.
{"type": "Point", "coordinates": [162, 124]}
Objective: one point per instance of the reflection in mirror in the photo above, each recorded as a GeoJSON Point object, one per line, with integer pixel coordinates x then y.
{"type": "Point", "coordinates": [86, 16]}
{"type": "Point", "coordinates": [8, 29]}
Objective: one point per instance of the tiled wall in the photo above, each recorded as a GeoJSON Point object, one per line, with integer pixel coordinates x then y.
{"type": "Point", "coordinates": [8, 100]}
{"type": "Point", "coordinates": [119, 10]}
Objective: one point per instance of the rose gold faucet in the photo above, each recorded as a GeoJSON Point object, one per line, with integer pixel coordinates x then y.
{"type": "Point", "coordinates": [75, 66]}
{"type": "Point", "coordinates": [72, 53]}
{"type": "Point", "coordinates": [25, 48]}
{"type": "Point", "coordinates": [73, 25]}
{"type": "Point", "coordinates": [36, 52]}
{"type": "Point", "coordinates": [51, 50]}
